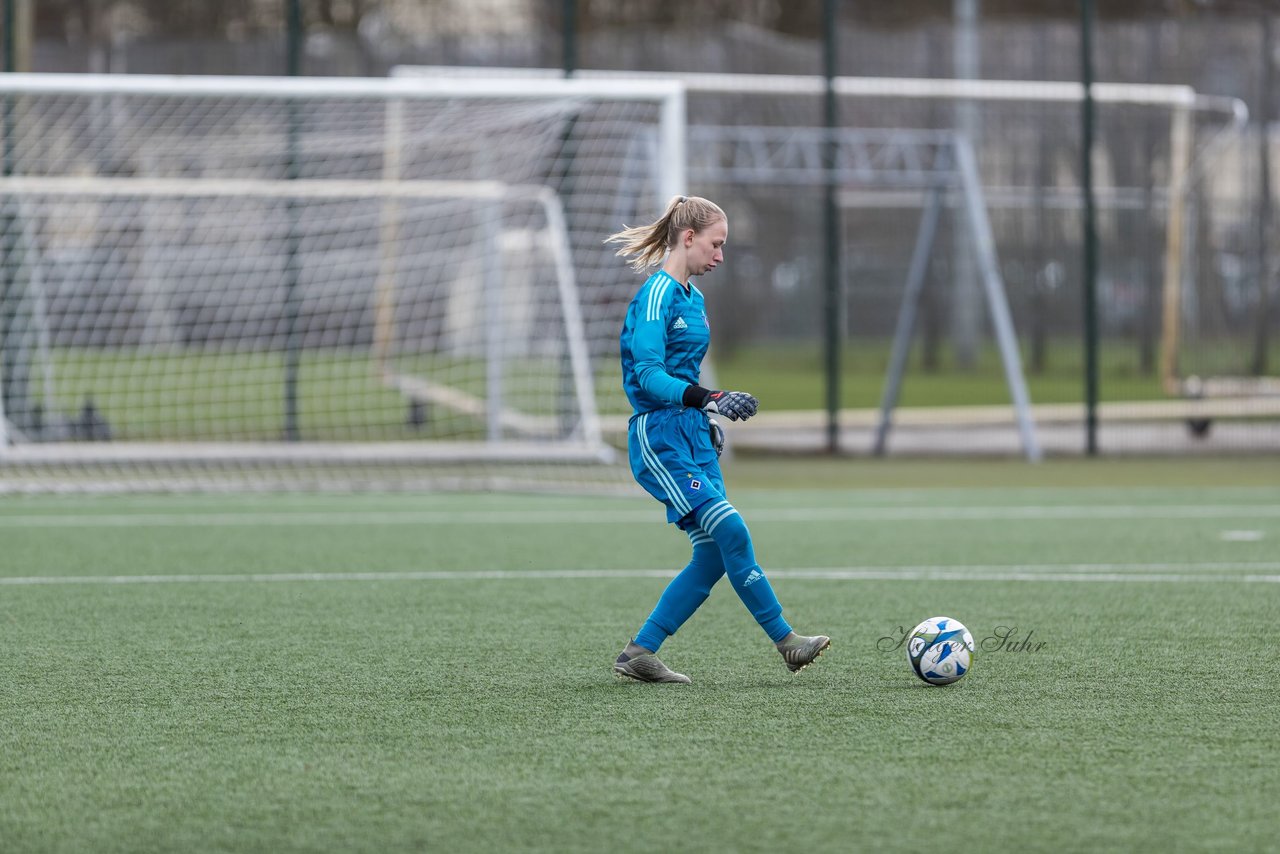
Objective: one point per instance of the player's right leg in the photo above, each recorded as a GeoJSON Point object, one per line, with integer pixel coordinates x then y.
{"type": "Point", "coordinates": [686, 592]}
{"type": "Point", "coordinates": [662, 463]}
{"type": "Point", "coordinates": [636, 662]}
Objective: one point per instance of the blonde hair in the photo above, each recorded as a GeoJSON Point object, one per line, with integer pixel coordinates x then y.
{"type": "Point", "coordinates": [650, 243]}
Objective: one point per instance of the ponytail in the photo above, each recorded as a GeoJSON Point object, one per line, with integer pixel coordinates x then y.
{"type": "Point", "coordinates": [648, 244]}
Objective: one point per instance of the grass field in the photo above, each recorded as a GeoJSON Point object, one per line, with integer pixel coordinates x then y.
{"type": "Point", "coordinates": [431, 672]}
{"type": "Point", "coordinates": [215, 394]}
{"type": "Point", "coordinates": [793, 375]}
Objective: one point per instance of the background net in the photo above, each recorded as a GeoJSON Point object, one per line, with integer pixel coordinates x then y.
{"type": "Point", "coordinates": [417, 277]}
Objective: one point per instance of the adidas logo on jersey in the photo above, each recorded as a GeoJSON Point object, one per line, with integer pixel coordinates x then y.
{"type": "Point", "coordinates": [679, 324]}
{"type": "Point", "coordinates": [752, 577]}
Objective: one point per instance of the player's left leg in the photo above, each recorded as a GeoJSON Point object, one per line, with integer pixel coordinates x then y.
{"type": "Point", "coordinates": [799, 651]}
{"type": "Point", "coordinates": [724, 524]}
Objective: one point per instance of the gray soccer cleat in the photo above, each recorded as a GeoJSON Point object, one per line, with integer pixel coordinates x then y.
{"type": "Point", "coordinates": [647, 667]}
{"type": "Point", "coordinates": [799, 651]}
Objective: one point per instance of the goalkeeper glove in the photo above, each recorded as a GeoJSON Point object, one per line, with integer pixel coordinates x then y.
{"type": "Point", "coordinates": [734, 405]}
{"type": "Point", "coordinates": [717, 435]}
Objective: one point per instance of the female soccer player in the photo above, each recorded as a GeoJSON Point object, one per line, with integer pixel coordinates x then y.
{"type": "Point", "coordinates": [674, 443]}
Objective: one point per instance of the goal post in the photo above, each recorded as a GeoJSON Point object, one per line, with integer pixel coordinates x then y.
{"type": "Point", "coordinates": [757, 142]}
{"type": "Point", "coordinates": [322, 272]}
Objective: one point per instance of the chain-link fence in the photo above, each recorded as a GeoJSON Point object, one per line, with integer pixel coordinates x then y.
{"type": "Point", "coordinates": [1186, 277]}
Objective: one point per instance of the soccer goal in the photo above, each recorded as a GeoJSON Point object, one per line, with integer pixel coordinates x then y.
{"type": "Point", "coordinates": [340, 279]}
{"type": "Point", "coordinates": [961, 207]}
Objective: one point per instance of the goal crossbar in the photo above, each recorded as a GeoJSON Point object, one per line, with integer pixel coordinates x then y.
{"type": "Point", "coordinates": [515, 84]}
{"type": "Point", "coordinates": [1167, 95]}
{"type": "Point", "coordinates": [303, 188]}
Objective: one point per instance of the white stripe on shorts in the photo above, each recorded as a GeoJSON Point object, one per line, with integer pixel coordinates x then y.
{"type": "Point", "coordinates": [655, 465]}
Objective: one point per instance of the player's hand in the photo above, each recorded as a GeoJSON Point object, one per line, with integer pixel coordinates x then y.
{"type": "Point", "coordinates": [734, 405]}
{"type": "Point", "coordinates": [717, 435]}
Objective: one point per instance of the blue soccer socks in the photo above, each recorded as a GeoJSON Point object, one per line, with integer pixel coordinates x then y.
{"type": "Point", "coordinates": [685, 593]}
{"type": "Point", "coordinates": [723, 524]}
{"type": "Point", "coordinates": [721, 545]}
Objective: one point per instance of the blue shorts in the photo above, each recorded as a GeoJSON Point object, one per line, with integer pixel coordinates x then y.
{"type": "Point", "coordinates": [672, 458]}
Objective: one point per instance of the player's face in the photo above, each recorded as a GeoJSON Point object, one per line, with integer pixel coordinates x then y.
{"type": "Point", "coordinates": [706, 251]}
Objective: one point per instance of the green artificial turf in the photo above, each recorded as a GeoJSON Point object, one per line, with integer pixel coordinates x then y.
{"type": "Point", "coordinates": [432, 672]}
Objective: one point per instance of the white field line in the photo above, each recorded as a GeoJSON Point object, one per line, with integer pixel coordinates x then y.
{"type": "Point", "coordinates": [1241, 536]}
{"type": "Point", "coordinates": [1266, 572]}
{"type": "Point", "coordinates": [647, 517]}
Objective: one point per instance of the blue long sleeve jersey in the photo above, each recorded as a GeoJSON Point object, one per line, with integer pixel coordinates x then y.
{"type": "Point", "coordinates": [664, 339]}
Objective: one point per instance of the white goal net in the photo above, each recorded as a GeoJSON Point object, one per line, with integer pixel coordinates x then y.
{"type": "Point", "coordinates": [247, 280]}
{"type": "Point", "coordinates": [1173, 188]}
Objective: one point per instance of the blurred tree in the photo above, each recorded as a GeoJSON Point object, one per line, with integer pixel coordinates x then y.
{"type": "Point", "coordinates": [70, 21]}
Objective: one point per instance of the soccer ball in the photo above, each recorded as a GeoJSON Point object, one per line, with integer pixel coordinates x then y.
{"type": "Point", "coordinates": [940, 650]}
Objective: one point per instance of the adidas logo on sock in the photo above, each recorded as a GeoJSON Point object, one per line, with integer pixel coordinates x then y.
{"type": "Point", "coordinates": [679, 324]}
{"type": "Point", "coordinates": [752, 577]}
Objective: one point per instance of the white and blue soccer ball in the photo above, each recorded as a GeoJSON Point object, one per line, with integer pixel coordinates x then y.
{"type": "Point", "coordinates": [940, 650]}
